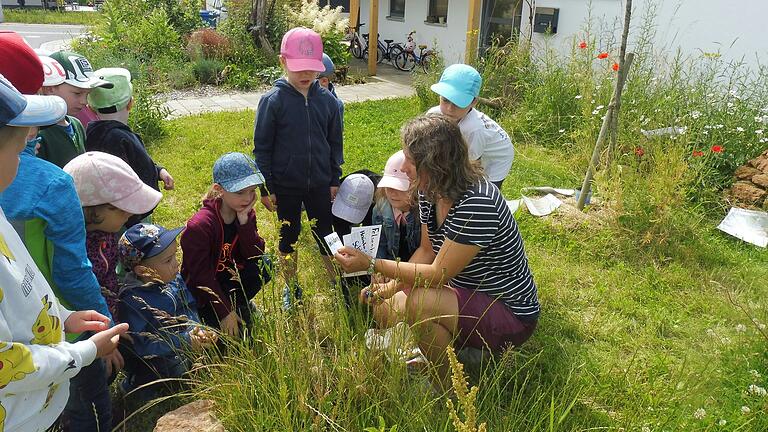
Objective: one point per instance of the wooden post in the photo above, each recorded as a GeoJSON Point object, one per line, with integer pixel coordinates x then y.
{"type": "Point", "coordinates": [373, 37]}
{"type": "Point", "coordinates": [354, 13]}
{"type": "Point", "coordinates": [609, 113]}
{"type": "Point", "coordinates": [473, 32]}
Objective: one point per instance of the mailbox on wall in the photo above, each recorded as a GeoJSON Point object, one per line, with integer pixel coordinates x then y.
{"type": "Point", "coordinates": [545, 20]}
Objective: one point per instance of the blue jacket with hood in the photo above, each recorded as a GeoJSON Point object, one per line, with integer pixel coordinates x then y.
{"type": "Point", "coordinates": [43, 207]}
{"type": "Point", "coordinates": [298, 141]}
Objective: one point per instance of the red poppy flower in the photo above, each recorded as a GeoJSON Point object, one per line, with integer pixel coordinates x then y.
{"type": "Point", "coordinates": [615, 67]}
{"type": "Point", "coordinates": [583, 45]}
{"type": "Point", "coordinates": [698, 153]}
{"type": "Point", "coordinates": [717, 149]}
{"type": "Point", "coordinates": [603, 55]}
{"type": "Point", "coordinates": [639, 151]}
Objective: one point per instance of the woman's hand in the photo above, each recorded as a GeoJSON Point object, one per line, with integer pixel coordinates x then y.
{"type": "Point", "coordinates": [352, 260]}
{"type": "Point", "coordinates": [378, 292]}
{"type": "Point", "coordinates": [82, 321]}
{"type": "Point", "coordinates": [230, 325]}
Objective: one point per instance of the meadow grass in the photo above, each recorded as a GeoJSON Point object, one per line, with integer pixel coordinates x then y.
{"type": "Point", "coordinates": [627, 340]}
{"type": "Point", "coordinates": [42, 16]}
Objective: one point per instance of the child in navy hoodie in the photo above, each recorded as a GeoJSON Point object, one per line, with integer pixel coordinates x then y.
{"type": "Point", "coordinates": [299, 148]}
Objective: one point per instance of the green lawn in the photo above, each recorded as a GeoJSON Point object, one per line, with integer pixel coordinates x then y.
{"type": "Point", "coordinates": [626, 340]}
{"type": "Point", "coordinates": [41, 16]}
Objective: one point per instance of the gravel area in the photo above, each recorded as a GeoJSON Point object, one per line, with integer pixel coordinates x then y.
{"type": "Point", "coordinates": [200, 92]}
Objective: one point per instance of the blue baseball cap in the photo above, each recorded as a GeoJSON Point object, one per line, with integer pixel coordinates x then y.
{"type": "Point", "coordinates": [143, 241]}
{"type": "Point", "coordinates": [20, 110]}
{"type": "Point", "coordinates": [330, 68]}
{"type": "Point", "coordinates": [236, 171]}
{"type": "Point", "coordinates": [460, 84]}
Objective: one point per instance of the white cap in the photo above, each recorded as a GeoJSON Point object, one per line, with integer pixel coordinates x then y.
{"type": "Point", "coordinates": [53, 73]}
{"type": "Point", "coordinates": [354, 198]}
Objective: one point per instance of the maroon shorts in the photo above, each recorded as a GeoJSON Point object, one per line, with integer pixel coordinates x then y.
{"type": "Point", "coordinates": [485, 322]}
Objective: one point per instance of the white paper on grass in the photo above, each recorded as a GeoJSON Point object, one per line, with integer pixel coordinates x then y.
{"type": "Point", "coordinates": [748, 225]}
{"type": "Point", "coordinates": [542, 206]}
{"type": "Point", "coordinates": [365, 239]}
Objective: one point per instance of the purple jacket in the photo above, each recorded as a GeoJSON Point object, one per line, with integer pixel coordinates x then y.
{"type": "Point", "coordinates": [202, 243]}
{"type": "Point", "coordinates": [102, 251]}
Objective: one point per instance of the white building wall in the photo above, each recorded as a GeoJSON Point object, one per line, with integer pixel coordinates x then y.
{"type": "Point", "coordinates": [736, 29]}
{"type": "Point", "coordinates": [449, 38]}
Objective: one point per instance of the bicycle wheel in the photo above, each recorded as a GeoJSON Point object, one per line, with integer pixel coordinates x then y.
{"type": "Point", "coordinates": [394, 51]}
{"type": "Point", "coordinates": [355, 49]}
{"type": "Point", "coordinates": [427, 61]}
{"type": "Point", "coordinates": [405, 61]}
{"type": "Point", "coordinates": [379, 55]}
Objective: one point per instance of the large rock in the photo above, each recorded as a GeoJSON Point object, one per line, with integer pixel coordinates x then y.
{"type": "Point", "coordinates": [747, 193]}
{"type": "Point", "coordinates": [746, 172]}
{"type": "Point", "coordinates": [193, 417]}
{"type": "Point", "coordinates": [760, 180]}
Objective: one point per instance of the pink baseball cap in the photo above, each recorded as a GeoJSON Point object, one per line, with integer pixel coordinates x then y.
{"type": "Point", "coordinates": [101, 178]}
{"type": "Point", "coordinates": [394, 177]}
{"type": "Point", "coordinates": [302, 50]}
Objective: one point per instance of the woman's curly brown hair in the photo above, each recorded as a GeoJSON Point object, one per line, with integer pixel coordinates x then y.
{"type": "Point", "coordinates": [435, 145]}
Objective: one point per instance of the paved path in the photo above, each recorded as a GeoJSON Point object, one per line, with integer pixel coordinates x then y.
{"type": "Point", "coordinates": [47, 36]}
{"type": "Point", "coordinates": [238, 101]}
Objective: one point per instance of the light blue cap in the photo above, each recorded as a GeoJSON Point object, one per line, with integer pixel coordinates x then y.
{"type": "Point", "coordinates": [330, 68]}
{"type": "Point", "coordinates": [236, 171]}
{"type": "Point", "coordinates": [460, 84]}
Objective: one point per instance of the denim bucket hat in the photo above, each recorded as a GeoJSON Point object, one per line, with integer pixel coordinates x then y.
{"type": "Point", "coordinates": [236, 171]}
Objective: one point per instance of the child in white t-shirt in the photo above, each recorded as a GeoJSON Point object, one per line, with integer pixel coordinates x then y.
{"type": "Point", "coordinates": [458, 88]}
{"type": "Point", "coordinates": [37, 363]}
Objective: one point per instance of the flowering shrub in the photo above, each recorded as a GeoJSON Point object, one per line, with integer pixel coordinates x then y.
{"type": "Point", "coordinates": [328, 23]}
{"type": "Point", "coordinates": [209, 44]}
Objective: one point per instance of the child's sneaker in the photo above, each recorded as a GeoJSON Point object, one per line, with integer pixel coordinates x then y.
{"type": "Point", "coordinates": [288, 297]}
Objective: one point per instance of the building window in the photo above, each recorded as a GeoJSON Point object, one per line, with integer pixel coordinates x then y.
{"type": "Point", "coordinates": [396, 8]}
{"type": "Point", "coordinates": [438, 11]}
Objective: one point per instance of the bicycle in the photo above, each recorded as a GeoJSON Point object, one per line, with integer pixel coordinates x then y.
{"type": "Point", "coordinates": [357, 46]}
{"type": "Point", "coordinates": [408, 59]}
{"type": "Point", "coordinates": [384, 52]}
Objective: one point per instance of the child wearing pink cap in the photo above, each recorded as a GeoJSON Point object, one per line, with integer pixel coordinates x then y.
{"type": "Point", "coordinates": [299, 149]}
{"type": "Point", "coordinates": [110, 192]}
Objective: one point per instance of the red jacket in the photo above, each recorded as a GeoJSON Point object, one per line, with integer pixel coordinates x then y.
{"type": "Point", "coordinates": [202, 243]}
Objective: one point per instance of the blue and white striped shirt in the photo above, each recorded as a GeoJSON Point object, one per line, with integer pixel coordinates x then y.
{"type": "Point", "coordinates": [500, 269]}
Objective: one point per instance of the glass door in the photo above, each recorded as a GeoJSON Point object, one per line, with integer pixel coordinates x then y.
{"type": "Point", "coordinates": [501, 21]}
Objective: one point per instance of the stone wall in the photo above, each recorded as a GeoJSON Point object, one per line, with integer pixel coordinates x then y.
{"type": "Point", "coordinates": [750, 187]}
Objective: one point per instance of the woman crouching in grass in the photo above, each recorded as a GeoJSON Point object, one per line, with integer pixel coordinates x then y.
{"type": "Point", "coordinates": [469, 282]}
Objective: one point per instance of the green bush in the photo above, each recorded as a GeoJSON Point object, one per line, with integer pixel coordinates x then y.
{"type": "Point", "coordinates": [207, 71]}
{"type": "Point", "coordinates": [147, 117]}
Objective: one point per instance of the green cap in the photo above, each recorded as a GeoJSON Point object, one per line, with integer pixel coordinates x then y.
{"type": "Point", "coordinates": [78, 70]}
{"type": "Point", "coordinates": [111, 100]}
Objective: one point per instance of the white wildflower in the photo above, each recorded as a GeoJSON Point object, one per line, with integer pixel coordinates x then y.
{"type": "Point", "coordinates": [759, 131]}
{"type": "Point", "coordinates": [599, 107]}
{"type": "Point", "coordinates": [745, 409]}
{"type": "Point", "coordinates": [699, 414]}
{"type": "Point", "coordinates": [755, 374]}
{"type": "Point", "coordinates": [763, 140]}
{"type": "Point", "coordinates": [579, 96]}
{"type": "Point", "coordinates": [695, 114]}
{"type": "Point", "coordinates": [756, 390]}
{"type": "Point", "coordinates": [561, 130]}
{"type": "Point", "coordinates": [758, 119]}
{"type": "Point", "coordinates": [725, 340]}
{"type": "Point", "coordinates": [710, 332]}
{"type": "Point", "coordinates": [739, 129]}
{"type": "Point", "coordinates": [741, 328]}
{"type": "Point", "coordinates": [595, 112]}
{"type": "Point", "coordinates": [761, 326]}
{"type": "Point", "coordinates": [722, 422]}
{"type": "Point", "coordinates": [645, 429]}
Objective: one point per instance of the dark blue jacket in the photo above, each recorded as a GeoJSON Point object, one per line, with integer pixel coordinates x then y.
{"type": "Point", "coordinates": [298, 141]}
{"type": "Point", "coordinates": [158, 333]}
